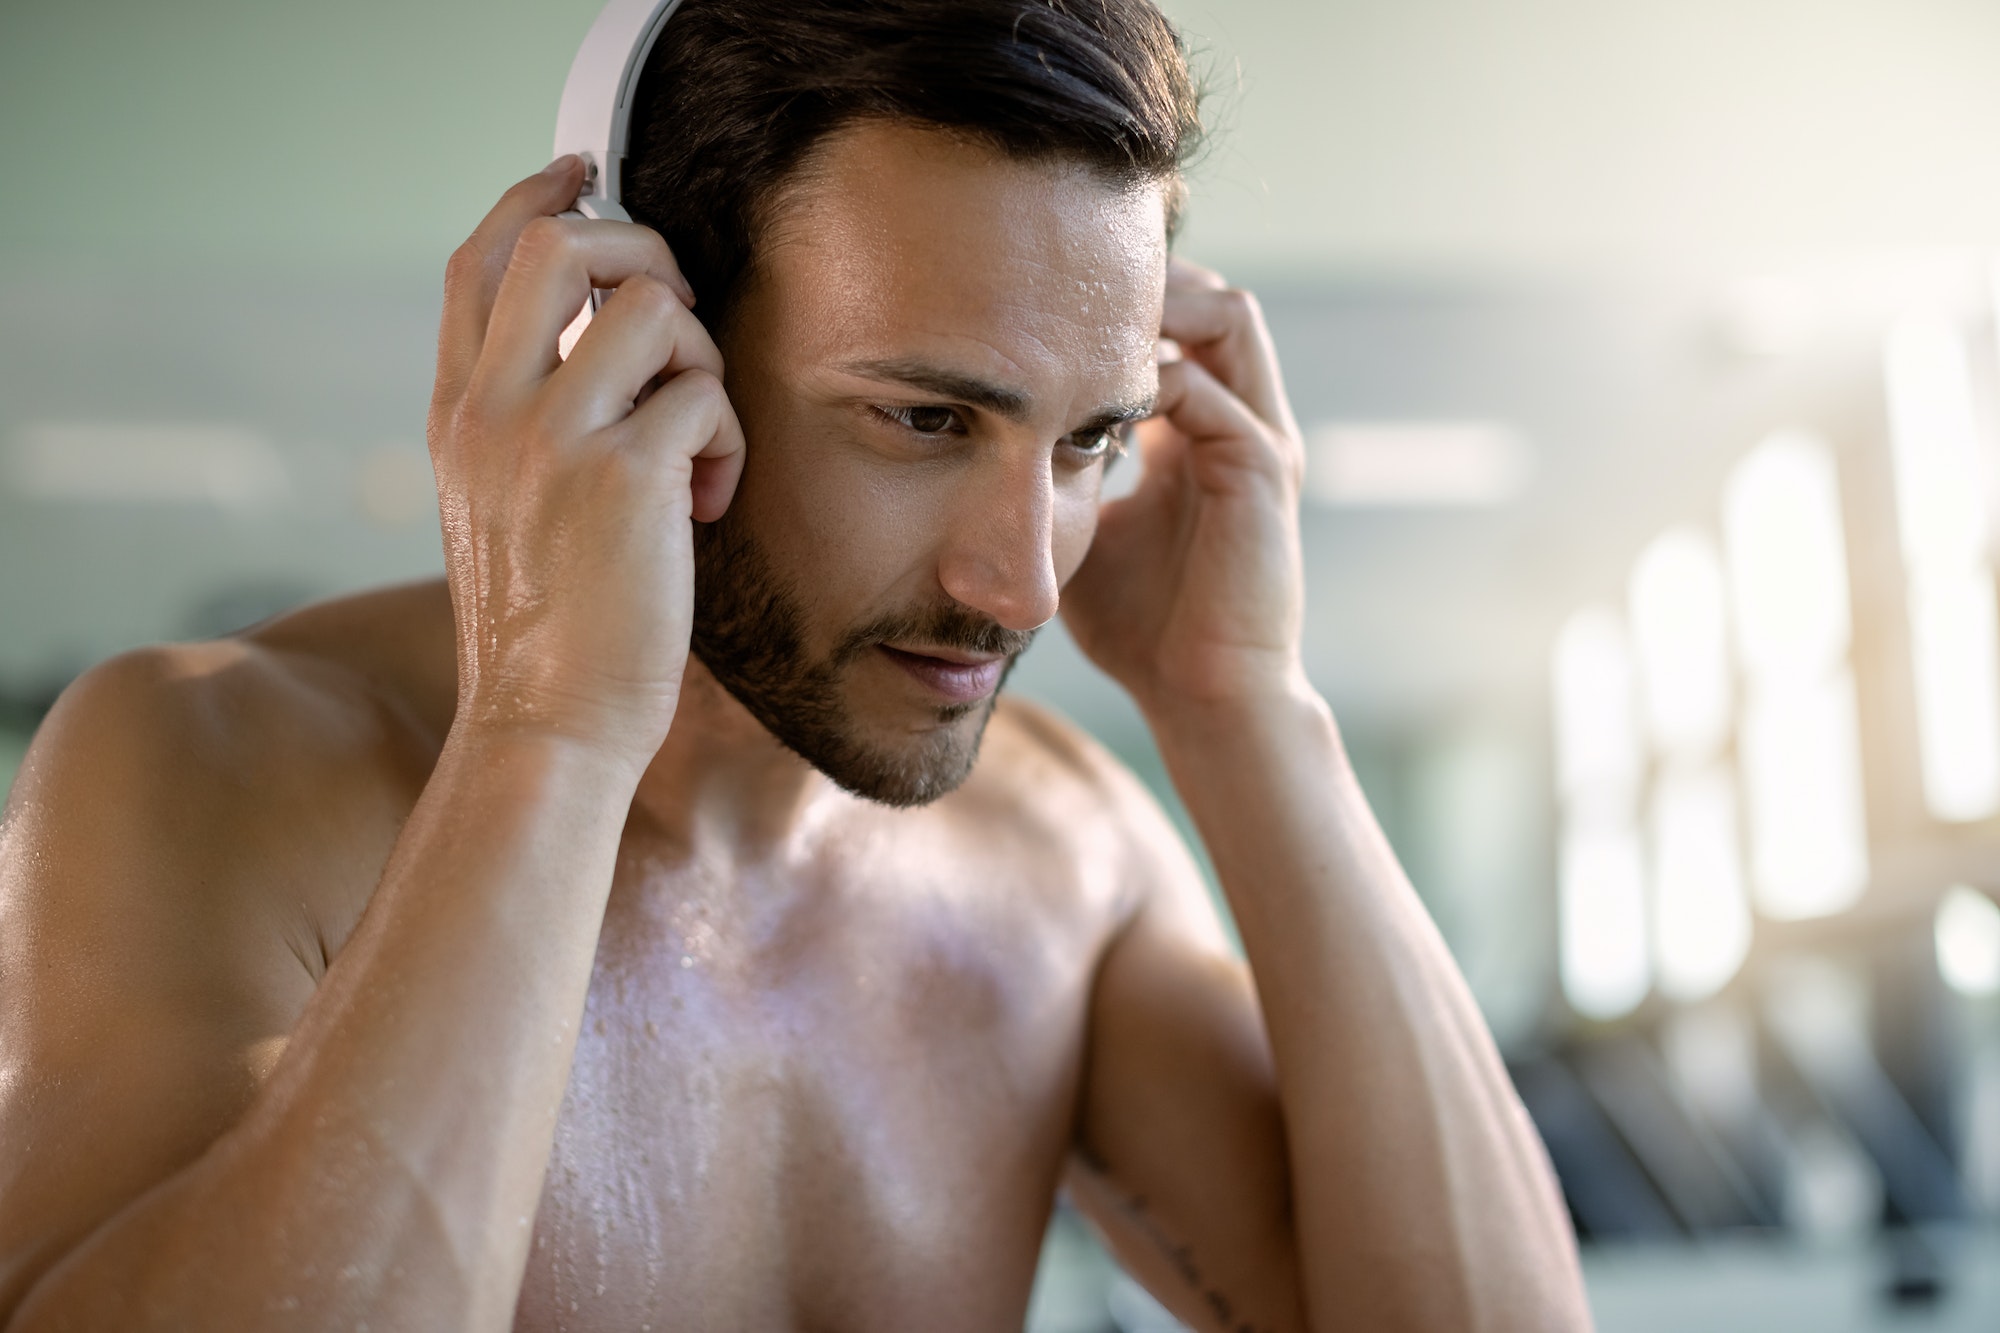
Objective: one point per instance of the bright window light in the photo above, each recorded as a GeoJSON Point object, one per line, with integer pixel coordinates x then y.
{"type": "Point", "coordinates": [1968, 941]}
{"type": "Point", "coordinates": [1701, 919]}
{"type": "Point", "coordinates": [1801, 756]}
{"type": "Point", "coordinates": [1679, 632]}
{"type": "Point", "coordinates": [1598, 751]}
{"type": "Point", "coordinates": [1942, 510]}
{"type": "Point", "coordinates": [1602, 920]}
{"type": "Point", "coordinates": [1787, 559]}
{"type": "Point", "coordinates": [1955, 644]}
{"type": "Point", "coordinates": [1934, 445]}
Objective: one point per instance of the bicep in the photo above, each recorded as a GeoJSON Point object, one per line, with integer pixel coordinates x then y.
{"type": "Point", "coordinates": [1181, 1159]}
{"type": "Point", "coordinates": [138, 1016]}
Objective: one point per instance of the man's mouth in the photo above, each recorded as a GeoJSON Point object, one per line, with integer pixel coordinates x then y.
{"type": "Point", "coordinates": [956, 677]}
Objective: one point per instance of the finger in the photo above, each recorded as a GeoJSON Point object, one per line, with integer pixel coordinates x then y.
{"type": "Point", "coordinates": [643, 331]}
{"type": "Point", "coordinates": [555, 263]}
{"type": "Point", "coordinates": [472, 277]}
{"type": "Point", "coordinates": [1224, 330]}
{"type": "Point", "coordinates": [1161, 445]}
{"type": "Point", "coordinates": [1186, 273]}
{"type": "Point", "coordinates": [690, 415]}
{"type": "Point", "coordinates": [1219, 427]}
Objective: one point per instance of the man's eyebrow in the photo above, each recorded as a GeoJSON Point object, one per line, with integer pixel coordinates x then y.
{"type": "Point", "coordinates": [999, 399]}
{"type": "Point", "coordinates": [1122, 415]}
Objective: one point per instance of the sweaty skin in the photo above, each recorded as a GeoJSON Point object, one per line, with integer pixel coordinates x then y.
{"type": "Point", "coordinates": [465, 956]}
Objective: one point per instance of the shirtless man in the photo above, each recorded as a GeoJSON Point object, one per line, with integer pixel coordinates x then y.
{"type": "Point", "coordinates": [471, 956]}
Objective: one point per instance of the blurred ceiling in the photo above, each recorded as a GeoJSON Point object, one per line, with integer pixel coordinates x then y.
{"type": "Point", "coordinates": [1416, 135]}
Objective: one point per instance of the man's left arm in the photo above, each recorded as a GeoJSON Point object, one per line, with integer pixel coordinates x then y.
{"type": "Point", "coordinates": [1339, 1140]}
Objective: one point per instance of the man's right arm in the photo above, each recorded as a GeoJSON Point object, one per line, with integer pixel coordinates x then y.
{"type": "Point", "coordinates": [386, 1169]}
{"type": "Point", "coordinates": [175, 1152]}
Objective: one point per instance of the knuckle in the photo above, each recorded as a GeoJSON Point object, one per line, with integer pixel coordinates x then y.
{"type": "Point", "coordinates": [661, 250]}
{"type": "Point", "coordinates": [701, 389]}
{"type": "Point", "coordinates": [466, 266]}
{"type": "Point", "coordinates": [691, 402]}
{"type": "Point", "coordinates": [648, 294]}
{"type": "Point", "coordinates": [470, 419]}
{"type": "Point", "coordinates": [1241, 304]}
{"type": "Point", "coordinates": [545, 240]}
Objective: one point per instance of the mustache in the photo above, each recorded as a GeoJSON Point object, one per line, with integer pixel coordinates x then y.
{"type": "Point", "coordinates": [946, 625]}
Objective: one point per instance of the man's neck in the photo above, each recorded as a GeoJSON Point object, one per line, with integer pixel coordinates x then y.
{"type": "Point", "coordinates": [722, 783]}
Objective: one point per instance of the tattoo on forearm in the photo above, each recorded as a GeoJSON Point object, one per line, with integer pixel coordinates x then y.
{"type": "Point", "coordinates": [1178, 1255]}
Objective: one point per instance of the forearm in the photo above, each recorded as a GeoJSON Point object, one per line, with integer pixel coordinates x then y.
{"type": "Point", "coordinates": [1422, 1196]}
{"type": "Point", "coordinates": [388, 1171]}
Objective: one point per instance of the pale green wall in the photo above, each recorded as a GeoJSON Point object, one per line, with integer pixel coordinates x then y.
{"type": "Point", "coordinates": [356, 134]}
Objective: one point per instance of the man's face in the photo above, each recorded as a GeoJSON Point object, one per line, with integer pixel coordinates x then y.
{"type": "Point", "coordinates": [931, 366]}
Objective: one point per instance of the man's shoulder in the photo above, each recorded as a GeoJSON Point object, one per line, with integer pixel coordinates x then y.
{"type": "Point", "coordinates": [1048, 794]}
{"type": "Point", "coordinates": [394, 645]}
{"type": "Point", "coordinates": [1033, 753]}
{"type": "Point", "coordinates": [328, 683]}
{"type": "Point", "coordinates": [1047, 775]}
{"type": "Point", "coordinates": [231, 758]}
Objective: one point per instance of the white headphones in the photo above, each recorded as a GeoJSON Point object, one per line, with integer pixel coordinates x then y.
{"type": "Point", "coordinates": [594, 120]}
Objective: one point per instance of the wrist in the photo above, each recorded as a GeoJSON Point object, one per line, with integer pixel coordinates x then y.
{"type": "Point", "coordinates": [1273, 704]}
{"type": "Point", "coordinates": [542, 745]}
{"type": "Point", "coordinates": [586, 730]}
{"type": "Point", "coordinates": [1284, 727]}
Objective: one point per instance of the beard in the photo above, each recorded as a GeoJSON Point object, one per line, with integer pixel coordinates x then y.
{"type": "Point", "coordinates": [750, 632]}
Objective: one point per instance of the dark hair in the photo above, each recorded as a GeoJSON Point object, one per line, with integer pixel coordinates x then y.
{"type": "Point", "coordinates": [737, 92]}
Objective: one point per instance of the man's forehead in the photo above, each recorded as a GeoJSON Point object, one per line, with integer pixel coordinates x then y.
{"type": "Point", "coordinates": [905, 245]}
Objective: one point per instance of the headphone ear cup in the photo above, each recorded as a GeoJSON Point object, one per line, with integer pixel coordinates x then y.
{"type": "Point", "coordinates": [597, 206]}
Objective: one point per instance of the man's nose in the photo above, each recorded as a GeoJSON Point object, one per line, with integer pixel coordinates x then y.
{"type": "Point", "coordinates": [999, 554]}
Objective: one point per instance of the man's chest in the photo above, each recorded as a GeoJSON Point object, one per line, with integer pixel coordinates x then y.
{"type": "Point", "coordinates": [859, 1127]}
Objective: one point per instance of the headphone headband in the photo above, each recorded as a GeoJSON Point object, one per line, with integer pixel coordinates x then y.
{"type": "Point", "coordinates": [595, 116]}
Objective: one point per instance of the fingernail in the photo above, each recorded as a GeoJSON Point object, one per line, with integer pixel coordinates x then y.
{"type": "Point", "coordinates": [560, 165]}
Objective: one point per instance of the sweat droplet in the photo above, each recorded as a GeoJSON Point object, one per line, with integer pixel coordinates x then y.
{"type": "Point", "coordinates": [687, 960]}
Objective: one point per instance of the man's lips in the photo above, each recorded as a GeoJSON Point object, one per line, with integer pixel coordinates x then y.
{"type": "Point", "coordinates": [959, 677]}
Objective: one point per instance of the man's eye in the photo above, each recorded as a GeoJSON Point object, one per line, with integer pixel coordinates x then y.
{"type": "Point", "coordinates": [1103, 442]}
{"type": "Point", "coordinates": [924, 420]}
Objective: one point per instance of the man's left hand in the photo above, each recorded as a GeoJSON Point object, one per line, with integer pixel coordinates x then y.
{"type": "Point", "coordinates": [1193, 589]}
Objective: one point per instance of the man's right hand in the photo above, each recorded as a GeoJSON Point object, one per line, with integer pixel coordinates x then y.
{"type": "Point", "coordinates": [566, 507]}
{"type": "Point", "coordinates": [233, 1097]}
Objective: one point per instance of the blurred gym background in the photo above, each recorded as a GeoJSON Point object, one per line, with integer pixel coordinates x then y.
{"type": "Point", "coordinates": [1648, 360]}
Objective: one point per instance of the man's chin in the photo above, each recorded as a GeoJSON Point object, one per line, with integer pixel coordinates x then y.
{"type": "Point", "coordinates": [914, 769]}
{"type": "Point", "coordinates": [909, 757]}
